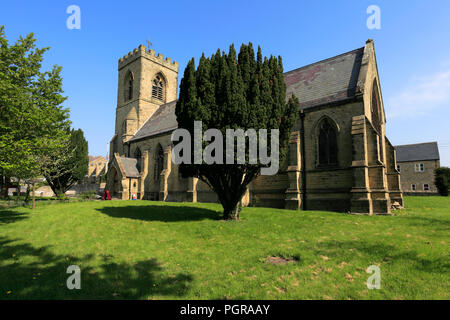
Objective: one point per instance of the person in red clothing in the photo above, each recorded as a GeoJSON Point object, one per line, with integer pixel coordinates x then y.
{"type": "Point", "coordinates": [106, 195]}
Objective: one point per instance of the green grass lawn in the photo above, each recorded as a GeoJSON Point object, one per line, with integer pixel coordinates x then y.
{"type": "Point", "coordinates": [156, 250]}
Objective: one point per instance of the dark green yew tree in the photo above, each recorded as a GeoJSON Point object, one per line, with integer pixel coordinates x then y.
{"type": "Point", "coordinates": [229, 91]}
{"type": "Point", "coordinates": [68, 165]}
{"type": "Point", "coordinates": [442, 180]}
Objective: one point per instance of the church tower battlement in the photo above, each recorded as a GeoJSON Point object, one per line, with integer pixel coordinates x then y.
{"type": "Point", "coordinates": [150, 54]}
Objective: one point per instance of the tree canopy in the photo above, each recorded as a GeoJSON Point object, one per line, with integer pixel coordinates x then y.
{"type": "Point", "coordinates": [230, 91]}
{"type": "Point", "coordinates": [67, 165]}
{"type": "Point", "coordinates": [32, 120]}
{"type": "Point", "coordinates": [442, 180]}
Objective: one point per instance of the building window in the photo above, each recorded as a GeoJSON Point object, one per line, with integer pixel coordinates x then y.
{"type": "Point", "coordinates": [327, 144]}
{"type": "Point", "coordinates": [419, 167]}
{"type": "Point", "coordinates": [398, 168]}
{"type": "Point", "coordinates": [124, 127]}
{"type": "Point", "coordinates": [158, 88]}
{"type": "Point", "coordinates": [159, 161]}
{"type": "Point", "coordinates": [375, 106]}
{"type": "Point", "coordinates": [128, 86]}
{"type": "Point", "coordinates": [138, 157]}
{"type": "Point", "coordinates": [426, 187]}
{"type": "Point", "coordinates": [413, 187]}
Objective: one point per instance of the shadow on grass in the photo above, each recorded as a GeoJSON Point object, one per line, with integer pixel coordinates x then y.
{"type": "Point", "coordinates": [7, 216]}
{"type": "Point", "coordinates": [378, 252]}
{"type": "Point", "coordinates": [162, 213]}
{"type": "Point", "coordinates": [433, 223]}
{"type": "Point", "coordinates": [36, 273]}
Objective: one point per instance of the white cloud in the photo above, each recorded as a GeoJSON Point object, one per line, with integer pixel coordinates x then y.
{"type": "Point", "coordinates": [421, 96]}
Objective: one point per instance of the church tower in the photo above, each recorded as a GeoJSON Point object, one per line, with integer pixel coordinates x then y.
{"type": "Point", "coordinates": [146, 81]}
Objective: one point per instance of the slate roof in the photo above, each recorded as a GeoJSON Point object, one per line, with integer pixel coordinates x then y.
{"type": "Point", "coordinates": [332, 80]}
{"type": "Point", "coordinates": [327, 81]}
{"type": "Point", "coordinates": [163, 120]}
{"type": "Point", "coordinates": [129, 165]}
{"type": "Point", "coordinates": [417, 152]}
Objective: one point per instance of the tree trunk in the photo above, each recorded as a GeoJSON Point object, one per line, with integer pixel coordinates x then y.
{"type": "Point", "coordinates": [232, 211]}
{"type": "Point", "coordinates": [27, 194]}
{"type": "Point", "coordinates": [232, 202]}
{"type": "Point", "coordinates": [55, 186]}
{"type": "Point", "coordinates": [5, 185]}
{"type": "Point", "coordinates": [18, 191]}
{"type": "Point", "coordinates": [230, 188]}
{"type": "Point", "coordinates": [34, 197]}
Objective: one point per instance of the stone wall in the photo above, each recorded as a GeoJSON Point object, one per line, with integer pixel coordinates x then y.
{"type": "Point", "coordinates": [409, 176]}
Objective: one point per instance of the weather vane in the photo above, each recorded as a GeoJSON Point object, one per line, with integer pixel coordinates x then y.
{"type": "Point", "coordinates": [149, 43]}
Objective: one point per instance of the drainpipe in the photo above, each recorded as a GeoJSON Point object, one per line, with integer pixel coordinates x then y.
{"type": "Point", "coordinates": [302, 157]}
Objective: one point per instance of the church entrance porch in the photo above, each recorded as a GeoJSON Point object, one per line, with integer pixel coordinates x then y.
{"type": "Point", "coordinates": [115, 188]}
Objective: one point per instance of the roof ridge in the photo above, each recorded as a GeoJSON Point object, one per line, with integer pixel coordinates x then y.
{"type": "Point", "coordinates": [418, 152]}
{"type": "Point", "coordinates": [324, 60]}
{"type": "Point", "coordinates": [415, 144]}
{"type": "Point", "coordinates": [124, 157]}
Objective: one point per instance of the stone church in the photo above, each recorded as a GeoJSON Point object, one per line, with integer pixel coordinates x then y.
{"type": "Point", "coordinates": [339, 156]}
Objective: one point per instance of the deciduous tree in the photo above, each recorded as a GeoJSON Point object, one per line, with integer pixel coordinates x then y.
{"type": "Point", "coordinates": [67, 165]}
{"type": "Point", "coordinates": [32, 120]}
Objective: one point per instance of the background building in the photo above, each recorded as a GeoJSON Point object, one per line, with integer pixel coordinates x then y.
{"type": "Point", "coordinates": [416, 164]}
{"type": "Point", "coordinates": [97, 166]}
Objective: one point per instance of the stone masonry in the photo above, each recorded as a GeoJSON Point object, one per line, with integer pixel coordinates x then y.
{"type": "Point", "coordinates": [341, 94]}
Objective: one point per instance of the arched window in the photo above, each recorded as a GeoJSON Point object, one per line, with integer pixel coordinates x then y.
{"type": "Point", "coordinates": [124, 127]}
{"type": "Point", "coordinates": [375, 107]}
{"type": "Point", "coordinates": [129, 86]}
{"type": "Point", "coordinates": [138, 157]}
{"type": "Point", "coordinates": [159, 161]}
{"type": "Point", "coordinates": [327, 144]}
{"type": "Point", "coordinates": [158, 88]}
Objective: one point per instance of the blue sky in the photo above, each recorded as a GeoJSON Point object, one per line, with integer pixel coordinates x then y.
{"type": "Point", "coordinates": [413, 49]}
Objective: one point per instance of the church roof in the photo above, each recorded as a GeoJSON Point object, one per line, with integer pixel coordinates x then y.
{"type": "Point", "coordinates": [417, 152]}
{"type": "Point", "coordinates": [162, 120]}
{"type": "Point", "coordinates": [332, 80]}
{"type": "Point", "coordinates": [129, 166]}
{"type": "Point", "coordinates": [327, 81]}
